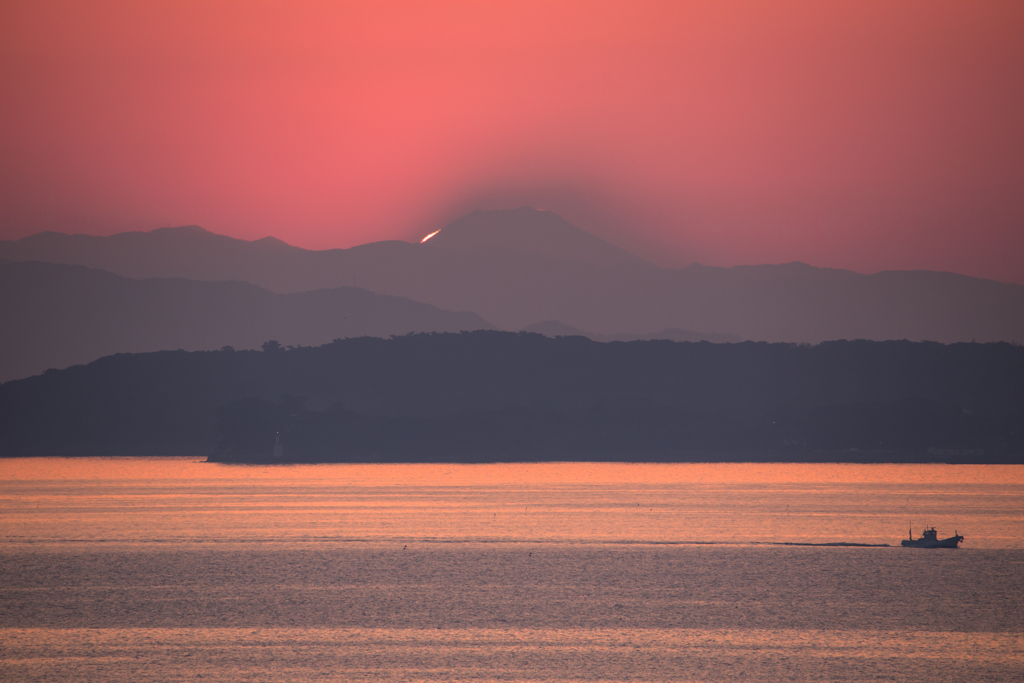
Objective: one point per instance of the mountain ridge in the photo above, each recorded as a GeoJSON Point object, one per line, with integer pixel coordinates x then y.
{"type": "Point", "coordinates": [526, 230]}
{"type": "Point", "coordinates": [58, 315]}
{"type": "Point", "coordinates": [512, 287]}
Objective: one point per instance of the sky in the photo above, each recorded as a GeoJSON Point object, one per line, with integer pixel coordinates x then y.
{"type": "Point", "coordinates": [849, 134]}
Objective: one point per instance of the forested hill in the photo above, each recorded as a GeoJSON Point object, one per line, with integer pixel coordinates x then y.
{"type": "Point", "coordinates": [484, 396]}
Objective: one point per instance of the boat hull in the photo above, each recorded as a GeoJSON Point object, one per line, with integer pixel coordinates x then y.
{"type": "Point", "coordinates": [951, 542]}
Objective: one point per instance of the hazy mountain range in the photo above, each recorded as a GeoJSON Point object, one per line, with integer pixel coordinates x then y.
{"type": "Point", "coordinates": [59, 315]}
{"type": "Point", "coordinates": [516, 269]}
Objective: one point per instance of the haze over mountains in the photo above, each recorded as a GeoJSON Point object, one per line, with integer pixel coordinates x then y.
{"type": "Point", "coordinates": [526, 230]}
{"type": "Point", "coordinates": [59, 315]}
{"type": "Point", "coordinates": [514, 269]}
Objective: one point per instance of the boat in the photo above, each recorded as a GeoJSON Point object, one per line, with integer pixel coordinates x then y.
{"type": "Point", "coordinates": [930, 539]}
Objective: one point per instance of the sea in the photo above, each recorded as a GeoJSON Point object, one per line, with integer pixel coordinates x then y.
{"type": "Point", "coordinates": [181, 570]}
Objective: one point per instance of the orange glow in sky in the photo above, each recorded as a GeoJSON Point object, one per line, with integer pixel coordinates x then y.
{"type": "Point", "coordinates": [858, 134]}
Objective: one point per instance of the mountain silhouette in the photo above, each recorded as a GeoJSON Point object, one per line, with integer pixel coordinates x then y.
{"type": "Point", "coordinates": [53, 316]}
{"type": "Point", "coordinates": [515, 268]}
{"type": "Point", "coordinates": [528, 231]}
{"type": "Point", "coordinates": [499, 396]}
{"type": "Point", "coordinates": [185, 252]}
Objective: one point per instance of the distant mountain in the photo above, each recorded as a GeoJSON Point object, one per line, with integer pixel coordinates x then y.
{"type": "Point", "coordinates": [187, 251]}
{"type": "Point", "coordinates": [53, 316]}
{"type": "Point", "coordinates": [515, 268]}
{"type": "Point", "coordinates": [527, 231]}
{"type": "Point", "coordinates": [798, 302]}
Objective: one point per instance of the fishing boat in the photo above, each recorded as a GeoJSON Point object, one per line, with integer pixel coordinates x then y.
{"type": "Point", "coordinates": [930, 539]}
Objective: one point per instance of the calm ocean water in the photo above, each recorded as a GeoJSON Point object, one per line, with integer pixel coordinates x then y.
{"type": "Point", "coordinates": [168, 570]}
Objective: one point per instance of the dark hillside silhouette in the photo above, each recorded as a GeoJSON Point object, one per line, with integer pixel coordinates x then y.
{"type": "Point", "coordinates": [517, 268]}
{"type": "Point", "coordinates": [53, 316]}
{"type": "Point", "coordinates": [504, 396]}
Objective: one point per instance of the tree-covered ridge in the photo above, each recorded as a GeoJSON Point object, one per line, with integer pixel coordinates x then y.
{"type": "Point", "coordinates": [506, 396]}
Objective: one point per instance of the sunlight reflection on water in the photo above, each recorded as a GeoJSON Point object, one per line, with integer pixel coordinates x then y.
{"type": "Point", "coordinates": [165, 570]}
{"type": "Point", "coordinates": [180, 500]}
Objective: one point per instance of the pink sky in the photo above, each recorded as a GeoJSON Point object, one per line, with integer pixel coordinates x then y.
{"type": "Point", "coordinates": [862, 135]}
